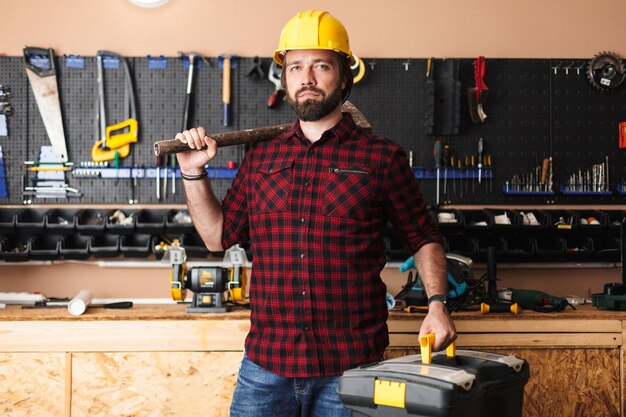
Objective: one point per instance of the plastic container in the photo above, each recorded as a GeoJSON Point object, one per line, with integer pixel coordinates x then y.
{"type": "Point", "coordinates": [31, 221]}
{"type": "Point", "coordinates": [75, 247]}
{"type": "Point", "coordinates": [194, 246]}
{"type": "Point", "coordinates": [136, 245]}
{"type": "Point", "coordinates": [15, 248]}
{"type": "Point", "coordinates": [105, 246]}
{"type": "Point", "coordinates": [8, 219]}
{"type": "Point", "coordinates": [91, 222]}
{"type": "Point", "coordinates": [151, 221]}
{"type": "Point", "coordinates": [121, 222]}
{"type": "Point", "coordinates": [61, 221]}
{"type": "Point", "coordinates": [461, 245]}
{"type": "Point", "coordinates": [472, 384]}
{"type": "Point", "coordinates": [46, 247]}
{"type": "Point", "coordinates": [449, 221]}
{"type": "Point", "coordinates": [505, 220]}
{"type": "Point", "coordinates": [178, 222]}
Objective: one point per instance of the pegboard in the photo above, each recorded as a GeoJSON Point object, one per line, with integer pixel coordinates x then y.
{"type": "Point", "coordinates": [536, 108]}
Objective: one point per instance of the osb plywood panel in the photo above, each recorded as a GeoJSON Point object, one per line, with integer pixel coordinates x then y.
{"type": "Point", "coordinates": [154, 384]}
{"type": "Point", "coordinates": [564, 382]}
{"type": "Point", "coordinates": [32, 385]}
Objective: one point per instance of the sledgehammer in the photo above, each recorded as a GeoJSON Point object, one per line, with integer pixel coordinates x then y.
{"type": "Point", "coordinates": [170, 146]}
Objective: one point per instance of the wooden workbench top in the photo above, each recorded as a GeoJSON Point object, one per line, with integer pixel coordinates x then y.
{"type": "Point", "coordinates": [178, 312]}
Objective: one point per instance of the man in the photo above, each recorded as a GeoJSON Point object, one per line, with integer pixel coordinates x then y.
{"type": "Point", "coordinates": [314, 203]}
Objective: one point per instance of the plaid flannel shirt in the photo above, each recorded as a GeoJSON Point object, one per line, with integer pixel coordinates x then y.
{"type": "Point", "coordinates": [315, 215]}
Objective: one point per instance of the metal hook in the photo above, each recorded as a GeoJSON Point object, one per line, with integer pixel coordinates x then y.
{"type": "Point", "coordinates": [557, 67]}
{"type": "Point", "coordinates": [406, 64]}
{"type": "Point", "coordinates": [567, 68]}
{"type": "Point", "coordinates": [579, 68]}
{"type": "Point", "coordinates": [372, 63]}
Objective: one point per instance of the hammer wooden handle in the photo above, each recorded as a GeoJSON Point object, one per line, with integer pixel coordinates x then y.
{"type": "Point", "coordinates": [164, 147]}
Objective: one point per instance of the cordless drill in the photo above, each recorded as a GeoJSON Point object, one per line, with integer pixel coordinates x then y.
{"type": "Point", "coordinates": [534, 300]}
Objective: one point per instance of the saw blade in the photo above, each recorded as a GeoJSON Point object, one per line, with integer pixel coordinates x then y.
{"type": "Point", "coordinates": [46, 94]}
{"type": "Point", "coordinates": [605, 71]}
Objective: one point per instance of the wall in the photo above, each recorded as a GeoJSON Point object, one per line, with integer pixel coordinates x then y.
{"type": "Point", "coordinates": [408, 28]}
{"type": "Point", "coordinates": [403, 28]}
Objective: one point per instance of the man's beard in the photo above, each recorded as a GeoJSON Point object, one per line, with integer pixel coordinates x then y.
{"type": "Point", "coordinates": [311, 110]}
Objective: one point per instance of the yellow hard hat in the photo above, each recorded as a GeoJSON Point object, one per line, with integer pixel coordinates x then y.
{"type": "Point", "coordinates": [313, 29]}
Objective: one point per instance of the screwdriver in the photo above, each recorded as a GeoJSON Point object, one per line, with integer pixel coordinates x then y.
{"type": "Point", "coordinates": [158, 177]}
{"type": "Point", "coordinates": [445, 158]}
{"type": "Point", "coordinates": [480, 159]}
{"type": "Point", "coordinates": [453, 165]}
{"type": "Point", "coordinates": [437, 153]}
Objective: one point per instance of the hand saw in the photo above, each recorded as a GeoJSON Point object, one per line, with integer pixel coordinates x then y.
{"type": "Point", "coordinates": [43, 82]}
{"type": "Point", "coordinates": [115, 140]}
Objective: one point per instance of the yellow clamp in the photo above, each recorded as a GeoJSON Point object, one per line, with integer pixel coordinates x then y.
{"type": "Point", "coordinates": [177, 281]}
{"type": "Point", "coordinates": [116, 143]}
{"type": "Point", "coordinates": [426, 345]}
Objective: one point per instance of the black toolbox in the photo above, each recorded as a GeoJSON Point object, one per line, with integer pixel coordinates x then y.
{"type": "Point", "coordinates": [470, 384]}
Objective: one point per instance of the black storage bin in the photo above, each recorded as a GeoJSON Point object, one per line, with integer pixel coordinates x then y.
{"type": "Point", "coordinates": [461, 245]}
{"type": "Point", "coordinates": [178, 222]}
{"type": "Point", "coordinates": [91, 222]}
{"type": "Point", "coordinates": [519, 249]}
{"type": "Point", "coordinates": [607, 249]}
{"type": "Point", "coordinates": [75, 247]}
{"type": "Point", "coordinates": [32, 221]}
{"type": "Point", "coordinates": [45, 247]}
{"type": "Point", "coordinates": [160, 242]}
{"type": "Point", "coordinates": [126, 227]}
{"type": "Point", "coordinates": [473, 384]}
{"type": "Point", "coordinates": [61, 221]}
{"type": "Point", "coordinates": [513, 217]}
{"type": "Point", "coordinates": [485, 242]}
{"type": "Point", "coordinates": [543, 219]}
{"type": "Point", "coordinates": [15, 248]}
{"type": "Point", "coordinates": [563, 220]}
{"type": "Point", "coordinates": [105, 246]}
{"type": "Point", "coordinates": [449, 221]}
{"type": "Point", "coordinates": [8, 219]}
{"type": "Point", "coordinates": [593, 222]}
{"type": "Point", "coordinates": [550, 249]}
{"type": "Point", "coordinates": [477, 219]}
{"type": "Point", "coordinates": [194, 246]}
{"type": "Point", "coordinates": [151, 221]}
{"type": "Point", "coordinates": [136, 245]}
{"type": "Point", "coordinates": [615, 218]}
{"type": "Point", "coordinates": [579, 248]}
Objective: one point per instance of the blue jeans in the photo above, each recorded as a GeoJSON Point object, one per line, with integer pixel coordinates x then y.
{"type": "Point", "coordinates": [260, 393]}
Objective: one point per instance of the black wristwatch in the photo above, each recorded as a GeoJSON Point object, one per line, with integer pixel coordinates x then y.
{"type": "Point", "coordinates": [438, 297]}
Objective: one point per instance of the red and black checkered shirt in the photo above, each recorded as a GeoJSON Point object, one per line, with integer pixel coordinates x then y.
{"type": "Point", "coordinates": [315, 215]}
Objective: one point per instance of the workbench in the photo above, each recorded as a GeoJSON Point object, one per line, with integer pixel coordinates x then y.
{"type": "Point", "coordinates": [158, 360]}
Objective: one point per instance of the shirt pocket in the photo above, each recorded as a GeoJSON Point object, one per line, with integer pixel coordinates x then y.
{"type": "Point", "coordinates": [348, 192]}
{"type": "Point", "coordinates": [272, 187]}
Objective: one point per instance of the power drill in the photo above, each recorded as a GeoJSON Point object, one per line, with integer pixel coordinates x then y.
{"type": "Point", "coordinates": [534, 300]}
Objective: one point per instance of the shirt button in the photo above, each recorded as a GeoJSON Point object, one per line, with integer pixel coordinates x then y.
{"type": "Point", "coordinates": [306, 183]}
{"type": "Point", "coordinates": [302, 255]}
{"type": "Point", "coordinates": [303, 220]}
{"type": "Point", "coordinates": [311, 151]}
{"type": "Point", "coordinates": [303, 293]}
{"type": "Point", "coordinates": [306, 327]}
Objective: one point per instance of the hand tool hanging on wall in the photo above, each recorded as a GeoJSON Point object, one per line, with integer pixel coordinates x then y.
{"type": "Point", "coordinates": [606, 71]}
{"type": "Point", "coordinates": [114, 141]}
{"type": "Point", "coordinates": [437, 153]}
{"type": "Point", "coordinates": [227, 62]}
{"type": "Point", "coordinates": [476, 96]}
{"type": "Point", "coordinates": [250, 136]}
{"type": "Point", "coordinates": [443, 102]}
{"type": "Point", "coordinates": [41, 72]}
{"type": "Point", "coordinates": [187, 113]}
{"type": "Point", "coordinates": [274, 76]}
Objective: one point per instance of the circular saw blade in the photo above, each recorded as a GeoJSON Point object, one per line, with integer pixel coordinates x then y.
{"type": "Point", "coordinates": [605, 71]}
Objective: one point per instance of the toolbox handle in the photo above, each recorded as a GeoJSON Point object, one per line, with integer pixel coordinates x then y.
{"type": "Point", "coordinates": [426, 347]}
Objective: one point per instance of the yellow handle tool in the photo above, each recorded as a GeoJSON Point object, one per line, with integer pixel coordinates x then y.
{"type": "Point", "coordinates": [426, 345]}
{"type": "Point", "coordinates": [116, 142]}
